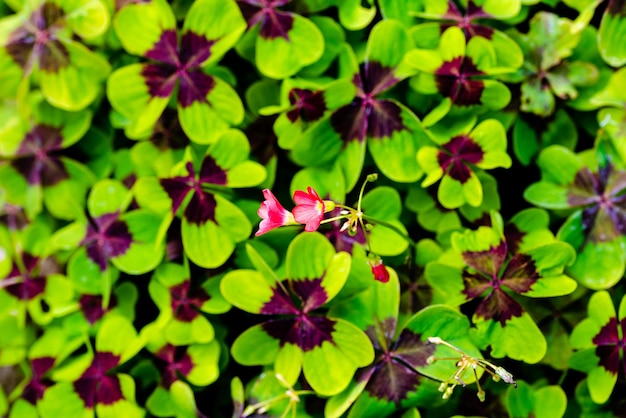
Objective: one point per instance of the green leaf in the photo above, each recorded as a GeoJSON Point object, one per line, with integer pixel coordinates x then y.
{"type": "Point", "coordinates": [353, 15]}
{"type": "Point", "coordinates": [128, 94]}
{"type": "Point", "coordinates": [246, 289]}
{"type": "Point", "coordinates": [395, 155]}
{"type": "Point", "coordinates": [598, 265]}
{"type": "Point", "coordinates": [520, 338]}
{"type": "Point", "coordinates": [140, 25]}
{"type": "Point", "coordinates": [612, 33]}
{"type": "Point", "coordinates": [145, 253]}
{"type": "Point", "coordinates": [204, 122]}
{"type": "Point", "coordinates": [118, 336]}
{"type": "Point", "coordinates": [329, 368]}
{"type": "Point", "coordinates": [76, 86]}
{"type": "Point", "coordinates": [378, 44]}
{"type": "Point", "coordinates": [255, 347]}
{"type": "Point", "coordinates": [217, 20]}
{"type": "Point", "coordinates": [88, 19]}
{"type": "Point", "coordinates": [107, 196]}
{"type": "Point", "coordinates": [210, 244]}
{"type": "Point", "coordinates": [280, 58]}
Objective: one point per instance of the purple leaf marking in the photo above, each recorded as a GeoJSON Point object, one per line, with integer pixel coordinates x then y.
{"type": "Point", "coordinates": [31, 282]}
{"type": "Point", "coordinates": [36, 43]}
{"type": "Point", "coordinates": [173, 64]}
{"type": "Point", "coordinates": [519, 276]}
{"type": "Point", "coordinates": [609, 344]}
{"type": "Point", "coordinates": [301, 328]}
{"type": "Point", "coordinates": [487, 262]}
{"type": "Point", "coordinates": [97, 385]}
{"type": "Point", "coordinates": [394, 374]}
{"type": "Point", "coordinates": [107, 237]}
{"type": "Point", "coordinates": [274, 23]}
{"type": "Point", "coordinates": [457, 154]}
{"type": "Point", "coordinates": [305, 331]}
{"type": "Point", "coordinates": [604, 204]}
{"type": "Point", "coordinates": [36, 158]}
{"type": "Point", "coordinates": [35, 388]}
{"type": "Point", "coordinates": [368, 116]}
{"type": "Point", "coordinates": [466, 22]}
{"type": "Point", "coordinates": [91, 306]}
{"type": "Point", "coordinates": [455, 80]}
{"type": "Point", "coordinates": [307, 105]}
{"type": "Point", "coordinates": [173, 362]}
{"type": "Point", "coordinates": [186, 304]}
{"type": "Point", "coordinates": [201, 207]}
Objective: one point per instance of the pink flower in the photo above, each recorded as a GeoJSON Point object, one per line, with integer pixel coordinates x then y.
{"type": "Point", "coordinates": [273, 214]}
{"type": "Point", "coordinates": [309, 209]}
{"type": "Point", "coordinates": [378, 268]}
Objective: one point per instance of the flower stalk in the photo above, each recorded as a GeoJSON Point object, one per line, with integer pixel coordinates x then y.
{"type": "Point", "coordinates": [466, 362]}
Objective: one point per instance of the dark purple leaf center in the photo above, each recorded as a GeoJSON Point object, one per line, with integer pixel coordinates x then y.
{"type": "Point", "coordinates": [13, 216]}
{"type": "Point", "coordinates": [298, 326]}
{"type": "Point", "coordinates": [186, 304]}
{"type": "Point", "coordinates": [107, 237]}
{"type": "Point", "coordinates": [27, 280]}
{"type": "Point", "coordinates": [91, 306]}
{"type": "Point", "coordinates": [173, 362]}
{"type": "Point", "coordinates": [37, 157]}
{"type": "Point", "coordinates": [467, 21]}
{"type": "Point", "coordinates": [306, 105]}
{"type": "Point", "coordinates": [167, 133]}
{"type": "Point", "coordinates": [457, 80]}
{"type": "Point", "coordinates": [490, 280]}
{"type": "Point", "coordinates": [457, 154]}
{"type": "Point", "coordinates": [603, 201]}
{"type": "Point", "coordinates": [394, 374]}
{"type": "Point", "coordinates": [35, 388]}
{"type": "Point", "coordinates": [609, 344]}
{"type": "Point", "coordinates": [201, 206]}
{"type": "Point", "coordinates": [367, 115]}
{"type": "Point", "coordinates": [174, 63]}
{"type": "Point", "coordinates": [36, 43]}
{"type": "Point", "coordinates": [98, 385]}
{"type": "Point", "coordinates": [274, 23]}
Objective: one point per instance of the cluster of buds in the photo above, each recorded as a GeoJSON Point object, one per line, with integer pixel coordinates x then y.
{"type": "Point", "coordinates": [309, 210]}
{"type": "Point", "coordinates": [466, 362]}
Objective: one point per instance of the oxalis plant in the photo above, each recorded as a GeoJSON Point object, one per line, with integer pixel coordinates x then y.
{"type": "Point", "coordinates": [312, 208]}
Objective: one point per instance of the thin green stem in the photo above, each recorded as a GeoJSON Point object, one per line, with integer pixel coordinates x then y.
{"type": "Point", "coordinates": [390, 226]}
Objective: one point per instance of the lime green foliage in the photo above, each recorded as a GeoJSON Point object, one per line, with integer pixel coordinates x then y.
{"type": "Point", "coordinates": [338, 208]}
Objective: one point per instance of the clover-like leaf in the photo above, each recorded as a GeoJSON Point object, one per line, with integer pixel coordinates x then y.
{"type": "Point", "coordinates": [551, 74]}
{"type": "Point", "coordinates": [452, 162]}
{"type": "Point", "coordinates": [460, 73]}
{"type": "Point", "coordinates": [182, 303]}
{"type": "Point", "coordinates": [88, 382]}
{"type": "Point", "coordinates": [211, 224]}
{"type": "Point", "coordinates": [206, 104]}
{"type": "Point", "coordinates": [38, 41]}
{"type": "Point", "coordinates": [599, 340]}
{"type": "Point", "coordinates": [597, 222]}
{"type": "Point", "coordinates": [299, 337]}
{"type": "Point", "coordinates": [390, 130]}
{"type": "Point", "coordinates": [284, 42]}
{"type": "Point", "coordinates": [526, 400]}
{"type": "Point", "coordinates": [612, 29]}
{"type": "Point", "coordinates": [397, 375]}
{"type": "Point", "coordinates": [494, 274]}
{"type": "Point", "coordinates": [35, 166]}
